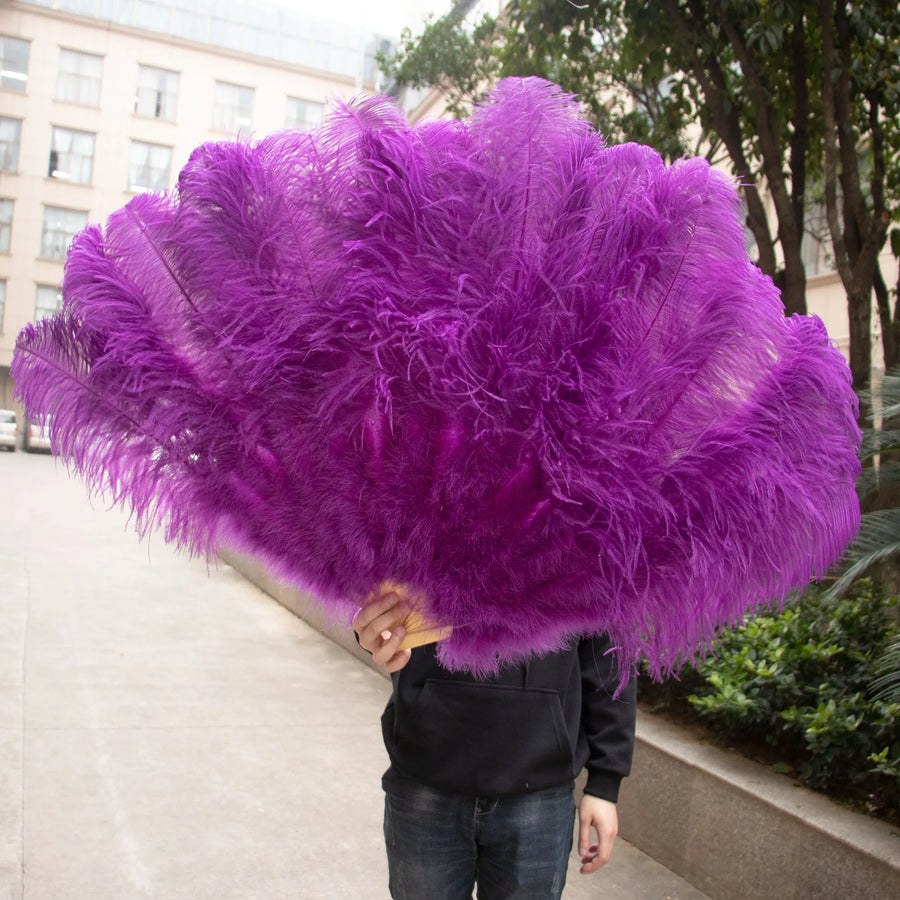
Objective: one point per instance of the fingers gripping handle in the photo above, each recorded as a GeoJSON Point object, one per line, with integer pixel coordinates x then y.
{"type": "Point", "coordinates": [419, 629]}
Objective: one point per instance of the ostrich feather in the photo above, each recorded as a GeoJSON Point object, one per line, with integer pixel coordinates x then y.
{"type": "Point", "coordinates": [533, 377]}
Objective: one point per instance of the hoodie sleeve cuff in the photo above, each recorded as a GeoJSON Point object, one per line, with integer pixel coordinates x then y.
{"type": "Point", "coordinates": [604, 785]}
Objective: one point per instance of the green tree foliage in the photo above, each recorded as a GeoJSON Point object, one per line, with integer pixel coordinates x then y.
{"type": "Point", "coordinates": [801, 95]}
{"type": "Point", "coordinates": [450, 55]}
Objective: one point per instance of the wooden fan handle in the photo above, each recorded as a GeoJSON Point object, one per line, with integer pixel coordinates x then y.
{"type": "Point", "coordinates": [419, 630]}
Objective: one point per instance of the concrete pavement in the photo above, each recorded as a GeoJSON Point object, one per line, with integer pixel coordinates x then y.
{"type": "Point", "coordinates": [171, 732]}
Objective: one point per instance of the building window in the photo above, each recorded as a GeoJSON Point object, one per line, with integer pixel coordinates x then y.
{"type": "Point", "coordinates": [303, 114]}
{"type": "Point", "coordinates": [60, 226]}
{"type": "Point", "coordinates": [13, 63]}
{"type": "Point", "coordinates": [6, 214]}
{"type": "Point", "coordinates": [71, 155]}
{"type": "Point", "coordinates": [232, 108]}
{"type": "Point", "coordinates": [79, 77]}
{"type": "Point", "coordinates": [2, 301]}
{"type": "Point", "coordinates": [157, 93]}
{"type": "Point", "coordinates": [816, 245]}
{"type": "Point", "coordinates": [154, 14]}
{"type": "Point", "coordinates": [262, 40]}
{"type": "Point", "coordinates": [225, 32]}
{"type": "Point", "coordinates": [119, 11]}
{"type": "Point", "coordinates": [149, 166]}
{"type": "Point", "coordinates": [192, 24]}
{"type": "Point", "coordinates": [10, 137]}
{"type": "Point", "coordinates": [47, 301]}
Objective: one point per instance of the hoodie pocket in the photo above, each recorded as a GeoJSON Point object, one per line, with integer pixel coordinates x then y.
{"type": "Point", "coordinates": [482, 739]}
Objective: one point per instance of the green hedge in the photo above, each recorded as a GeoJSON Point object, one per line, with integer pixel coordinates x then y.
{"type": "Point", "coordinates": [793, 688]}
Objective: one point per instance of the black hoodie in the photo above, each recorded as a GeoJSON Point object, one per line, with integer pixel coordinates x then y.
{"type": "Point", "coordinates": [533, 726]}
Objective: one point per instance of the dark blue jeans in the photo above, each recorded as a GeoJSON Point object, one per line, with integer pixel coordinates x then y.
{"type": "Point", "coordinates": [440, 846]}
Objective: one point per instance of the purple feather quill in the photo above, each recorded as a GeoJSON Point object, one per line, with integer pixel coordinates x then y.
{"type": "Point", "coordinates": [533, 377]}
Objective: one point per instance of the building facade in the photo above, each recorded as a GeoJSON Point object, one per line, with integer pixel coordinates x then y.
{"type": "Point", "coordinates": [102, 99]}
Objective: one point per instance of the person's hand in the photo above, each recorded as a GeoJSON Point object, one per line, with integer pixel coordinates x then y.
{"type": "Point", "coordinates": [380, 632]}
{"type": "Point", "coordinates": [601, 816]}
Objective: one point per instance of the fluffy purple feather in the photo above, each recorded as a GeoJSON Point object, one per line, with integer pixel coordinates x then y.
{"type": "Point", "coordinates": [536, 378]}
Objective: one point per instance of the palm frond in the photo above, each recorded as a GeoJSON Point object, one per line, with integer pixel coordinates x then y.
{"type": "Point", "coordinates": [887, 396]}
{"type": "Point", "coordinates": [879, 538]}
{"type": "Point", "coordinates": [876, 442]}
{"type": "Point", "coordinates": [887, 685]}
{"type": "Point", "coordinates": [871, 479]}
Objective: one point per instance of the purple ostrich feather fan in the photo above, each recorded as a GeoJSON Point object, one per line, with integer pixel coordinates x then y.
{"type": "Point", "coordinates": [535, 378]}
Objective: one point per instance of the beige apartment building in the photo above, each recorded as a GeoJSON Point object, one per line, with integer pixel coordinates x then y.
{"type": "Point", "coordinates": [102, 99]}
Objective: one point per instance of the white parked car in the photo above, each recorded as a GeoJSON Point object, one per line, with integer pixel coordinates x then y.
{"type": "Point", "coordinates": [37, 437]}
{"type": "Point", "coordinates": [7, 429]}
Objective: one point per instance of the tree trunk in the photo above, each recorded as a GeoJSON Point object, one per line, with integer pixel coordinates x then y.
{"type": "Point", "coordinates": [855, 264]}
{"type": "Point", "coordinates": [757, 221]}
{"type": "Point", "coordinates": [794, 292]}
{"type": "Point", "coordinates": [889, 333]}
{"type": "Point", "coordinates": [799, 120]}
{"type": "Point", "coordinates": [790, 229]}
{"type": "Point", "coordinates": [794, 270]}
{"type": "Point", "coordinates": [897, 304]}
{"type": "Point", "coordinates": [723, 111]}
{"type": "Point", "coordinates": [859, 306]}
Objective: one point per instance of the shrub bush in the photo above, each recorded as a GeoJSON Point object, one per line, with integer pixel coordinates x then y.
{"type": "Point", "coordinates": [798, 682]}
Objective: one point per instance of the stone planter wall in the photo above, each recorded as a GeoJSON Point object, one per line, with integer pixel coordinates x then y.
{"type": "Point", "coordinates": [738, 831]}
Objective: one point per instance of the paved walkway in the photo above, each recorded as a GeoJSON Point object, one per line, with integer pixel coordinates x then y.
{"type": "Point", "coordinates": [168, 732]}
